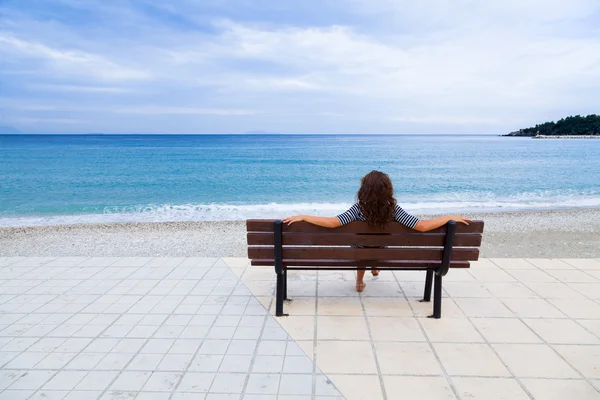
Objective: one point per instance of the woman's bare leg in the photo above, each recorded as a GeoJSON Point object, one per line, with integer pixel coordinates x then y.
{"type": "Point", "coordinates": [360, 284]}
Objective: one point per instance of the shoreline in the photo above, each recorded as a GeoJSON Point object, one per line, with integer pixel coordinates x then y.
{"type": "Point", "coordinates": [427, 215]}
{"type": "Point", "coordinates": [571, 233]}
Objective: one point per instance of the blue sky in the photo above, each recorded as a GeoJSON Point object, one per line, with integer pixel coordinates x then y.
{"type": "Point", "coordinates": [343, 66]}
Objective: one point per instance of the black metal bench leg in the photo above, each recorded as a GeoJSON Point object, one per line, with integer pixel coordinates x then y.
{"type": "Point", "coordinates": [280, 296]}
{"type": "Point", "coordinates": [428, 282]}
{"type": "Point", "coordinates": [285, 297]}
{"type": "Point", "coordinates": [437, 297]}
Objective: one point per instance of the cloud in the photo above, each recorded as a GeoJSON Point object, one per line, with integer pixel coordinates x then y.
{"type": "Point", "coordinates": [183, 111]}
{"type": "Point", "coordinates": [362, 66]}
{"type": "Point", "coordinates": [78, 88]}
{"type": "Point", "coordinates": [68, 62]}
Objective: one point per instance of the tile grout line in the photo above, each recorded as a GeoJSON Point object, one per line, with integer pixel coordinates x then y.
{"type": "Point", "coordinates": [41, 337]}
{"type": "Point", "coordinates": [428, 340]}
{"type": "Point", "coordinates": [187, 325]}
{"type": "Point", "coordinates": [315, 337]}
{"type": "Point", "coordinates": [258, 342]}
{"type": "Point", "coordinates": [74, 314]}
{"type": "Point", "coordinates": [540, 297]}
{"type": "Point", "coordinates": [488, 344]}
{"type": "Point", "coordinates": [110, 325]}
{"type": "Point", "coordinates": [373, 347]}
{"type": "Point", "coordinates": [195, 354]}
{"type": "Point", "coordinates": [587, 380]}
{"type": "Point", "coordinates": [315, 341]}
{"type": "Point", "coordinates": [567, 317]}
{"type": "Point", "coordinates": [249, 371]}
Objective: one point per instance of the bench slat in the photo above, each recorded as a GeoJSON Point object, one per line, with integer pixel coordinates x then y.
{"type": "Point", "coordinates": [365, 263]}
{"type": "Point", "coordinates": [347, 239]}
{"type": "Point", "coordinates": [345, 253]}
{"type": "Point", "coordinates": [266, 225]}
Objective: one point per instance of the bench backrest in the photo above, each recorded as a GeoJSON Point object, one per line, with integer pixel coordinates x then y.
{"type": "Point", "coordinates": [306, 244]}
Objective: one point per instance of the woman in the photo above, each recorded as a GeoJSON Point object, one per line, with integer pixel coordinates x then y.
{"type": "Point", "coordinates": [377, 206]}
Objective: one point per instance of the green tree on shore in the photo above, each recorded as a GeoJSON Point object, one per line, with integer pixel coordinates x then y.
{"type": "Point", "coordinates": [574, 125]}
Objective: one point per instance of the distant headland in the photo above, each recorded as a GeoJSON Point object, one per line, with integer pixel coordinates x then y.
{"type": "Point", "coordinates": [575, 127]}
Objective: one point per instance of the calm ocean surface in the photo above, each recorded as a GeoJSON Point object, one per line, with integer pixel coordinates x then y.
{"type": "Point", "coordinates": [51, 179]}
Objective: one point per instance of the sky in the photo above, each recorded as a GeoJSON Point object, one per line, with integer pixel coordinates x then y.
{"type": "Point", "coordinates": [308, 66]}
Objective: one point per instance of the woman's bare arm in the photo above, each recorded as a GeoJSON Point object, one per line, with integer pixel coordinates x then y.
{"type": "Point", "coordinates": [431, 224]}
{"type": "Point", "coordinates": [327, 222]}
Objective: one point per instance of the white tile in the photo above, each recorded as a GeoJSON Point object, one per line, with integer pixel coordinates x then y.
{"type": "Point", "coordinates": [65, 380]}
{"type": "Point", "coordinates": [469, 360]}
{"type": "Point", "coordinates": [583, 358]}
{"type": "Point", "coordinates": [343, 328]}
{"type": "Point", "coordinates": [196, 382]}
{"type": "Point", "coordinates": [25, 360]}
{"type": "Point", "coordinates": [175, 362]}
{"type": "Point", "coordinates": [533, 308]}
{"type": "Point", "coordinates": [450, 330]}
{"type": "Point", "coordinates": [49, 395]}
{"type": "Point", "coordinates": [242, 347]}
{"type": "Point", "coordinates": [114, 361]}
{"type": "Point", "coordinates": [97, 380]}
{"type": "Point", "coordinates": [271, 348]}
{"type": "Point", "coordinates": [332, 357]}
{"type": "Point", "coordinates": [561, 331]}
{"type": "Point", "coordinates": [534, 361]}
{"type": "Point", "coordinates": [157, 346]}
{"type": "Point", "coordinates": [297, 364]}
{"type": "Point", "coordinates": [396, 358]}
{"type": "Point", "coordinates": [482, 307]}
{"type": "Point", "coordinates": [55, 361]}
{"type": "Point", "coordinates": [214, 347]}
{"type": "Point", "coordinates": [31, 380]}
{"type": "Point", "coordinates": [577, 308]}
{"type": "Point", "coordinates": [353, 387]}
{"type": "Point", "coordinates": [16, 394]}
{"type": "Point", "coordinates": [206, 362]}
{"type": "Point", "coordinates": [489, 388]}
{"type": "Point", "coordinates": [162, 382]}
{"type": "Point", "coordinates": [263, 384]}
{"type": "Point", "coordinates": [295, 384]}
{"type": "Point", "coordinates": [583, 263]}
{"type": "Point", "coordinates": [549, 263]}
{"type": "Point", "coordinates": [268, 364]}
{"type": "Point", "coordinates": [417, 388]}
{"type": "Point", "coordinates": [228, 383]}
{"type": "Point", "coordinates": [130, 381]}
{"type": "Point", "coordinates": [505, 330]}
{"type": "Point", "coordinates": [145, 362]}
{"type": "Point", "coordinates": [236, 363]}
{"type": "Point", "coordinates": [560, 389]}
{"type": "Point", "coordinates": [153, 396]}
{"type": "Point", "coordinates": [185, 346]}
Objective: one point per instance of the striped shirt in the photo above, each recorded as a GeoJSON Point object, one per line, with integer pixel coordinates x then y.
{"type": "Point", "coordinates": [355, 214]}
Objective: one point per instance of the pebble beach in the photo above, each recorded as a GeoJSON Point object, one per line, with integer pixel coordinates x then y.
{"type": "Point", "coordinates": [543, 234]}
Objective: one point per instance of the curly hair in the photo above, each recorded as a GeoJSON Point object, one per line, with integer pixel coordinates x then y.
{"type": "Point", "coordinates": [376, 199]}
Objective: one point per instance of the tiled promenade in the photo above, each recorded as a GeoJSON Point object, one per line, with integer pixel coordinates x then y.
{"type": "Point", "coordinates": [198, 328]}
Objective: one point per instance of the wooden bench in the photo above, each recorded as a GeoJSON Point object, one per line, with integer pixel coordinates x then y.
{"type": "Point", "coordinates": [303, 246]}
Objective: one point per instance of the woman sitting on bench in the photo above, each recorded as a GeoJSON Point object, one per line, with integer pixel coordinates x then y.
{"type": "Point", "coordinates": [377, 206]}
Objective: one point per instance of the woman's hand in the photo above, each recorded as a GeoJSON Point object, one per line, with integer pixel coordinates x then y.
{"type": "Point", "coordinates": [291, 220]}
{"type": "Point", "coordinates": [459, 219]}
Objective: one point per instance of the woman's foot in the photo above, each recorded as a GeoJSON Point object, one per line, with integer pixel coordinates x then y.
{"type": "Point", "coordinates": [360, 287]}
{"type": "Point", "coordinates": [375, 272]}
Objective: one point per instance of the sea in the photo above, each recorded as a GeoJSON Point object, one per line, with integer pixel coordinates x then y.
{"type": "Point", "coordinates": [73, 179]}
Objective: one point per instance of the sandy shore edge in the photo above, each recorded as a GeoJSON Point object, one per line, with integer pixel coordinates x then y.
{"type": "Point", "coordinates": [548, 234]}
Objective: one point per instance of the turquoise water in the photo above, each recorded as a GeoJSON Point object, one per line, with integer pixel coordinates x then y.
{"type": "Point", "coordinates": [48, 179]}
